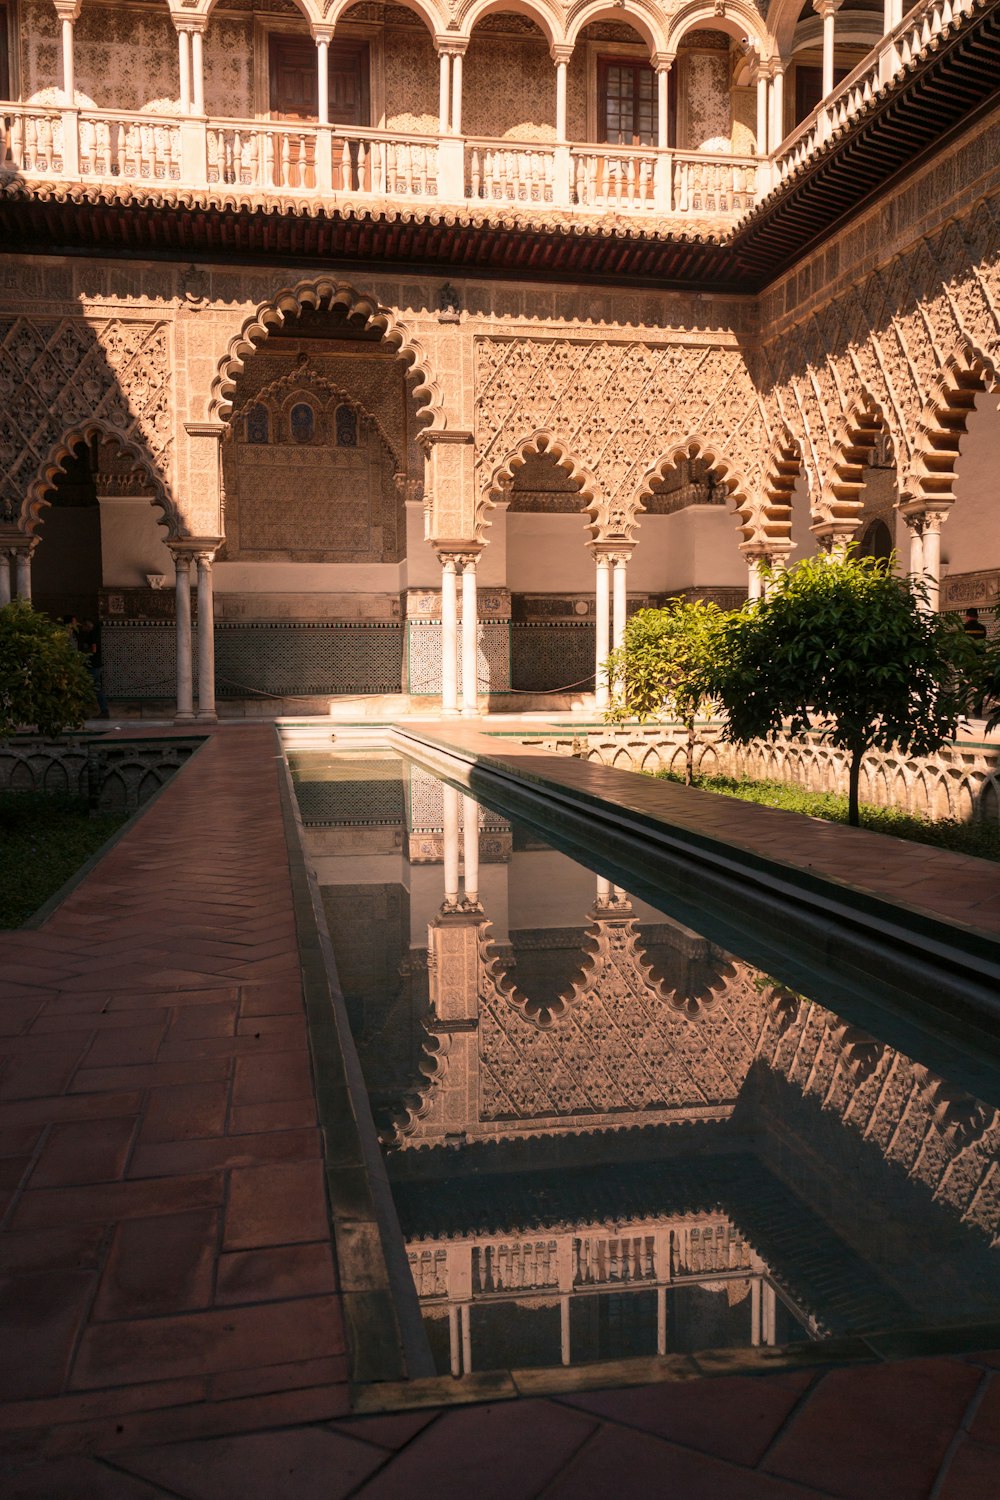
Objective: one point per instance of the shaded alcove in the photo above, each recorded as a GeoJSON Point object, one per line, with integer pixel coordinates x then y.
{"type": "Point", "coordinates": [66, 572]}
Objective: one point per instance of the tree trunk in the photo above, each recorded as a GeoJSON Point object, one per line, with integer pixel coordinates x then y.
{"type": "Point", "coordinates": [854, 781]}
{"type": "Point", "coordinates": [689, 767]}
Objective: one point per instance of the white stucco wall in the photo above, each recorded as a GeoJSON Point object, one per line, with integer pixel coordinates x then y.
{"type": "Point", "coordinates": [548, 555]}
{"type": "Point", "coordinates": [970, 538]}
{"type": "Point", "coordinates": [132, 543]}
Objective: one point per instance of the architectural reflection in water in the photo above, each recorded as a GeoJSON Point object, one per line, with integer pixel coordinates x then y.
{"type": "Point", "coordinates": [606, 1136]}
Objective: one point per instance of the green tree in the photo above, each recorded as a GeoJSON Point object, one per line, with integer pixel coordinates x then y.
{"type": "Point", "coordinates": [44, 682]}
{"type": "Point", "coordinates": [663, 665]}
{"type": "Point", "coordinates": [841, 646]}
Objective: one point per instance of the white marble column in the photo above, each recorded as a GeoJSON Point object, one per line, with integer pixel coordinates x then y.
{"type": "Point", "coordinates": [5, 588]}
{"type": "Point", "coordinates": [449, 635]}
{"type": "Point", "coordinates": [450, 797]}
{"type": "Point", "coordinates": [755, 583]}
{"type": "Point", "coordinates": [603, 632]}
{"type": "Point", "coordinates": [456, 94]}
{"type": "Point", "coordinates": [185, 690]}
{"type": "Point", "coordinates": [777, 132]}
{"type": "Point", "coordinates": [470, 638]}
{"type": "Point", "coordinates": [619, 598]}
{"type": "Point", "coordinates": [206, 639]}
{"type": "Point", "coordinates": [184, 68]}
{"type": "Point", "coordinates": [322, 80]}
{"type": "Point", "coordinates": [828, 10]}
{"type": "Point", "coordinates": [662, 105]}
{"type": "Point", "coordinates": [67, 16]}
{"type": "Point", "coordinates": [603, 891]}
{"type": "Point", "coordinates": [22, 573]}
{"type": "Point", "coordinates": [562, 68]}
{"type": "Point", "coordinates": [915, 526]}
{"type": "Point", "coordinates": [932, 558]}
{"type": "Point", "coordinates": [444, 92]}
{"type": "Point", "coordinates": [197, 74]}
{"type": "Point", "coordinates": [761, 111]}
{"type": "Point", "coordinates": [470, 848]}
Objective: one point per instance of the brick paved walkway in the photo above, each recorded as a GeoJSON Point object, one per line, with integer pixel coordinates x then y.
{"type": "Point", "coordinates": [170, 1319]}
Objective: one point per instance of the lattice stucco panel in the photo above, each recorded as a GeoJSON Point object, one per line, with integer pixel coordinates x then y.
{"type": "Point", "coordinates": [58, 375]}
{"type": "Point", "coordinates": [548, 657]}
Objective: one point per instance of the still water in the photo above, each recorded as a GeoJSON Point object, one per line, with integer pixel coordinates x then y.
{"type": "Point", "coordinates": [607, 1137]}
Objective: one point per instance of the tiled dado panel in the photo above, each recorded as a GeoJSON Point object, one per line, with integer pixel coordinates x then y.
{"type": "Point", "coordinates": [423, 658]}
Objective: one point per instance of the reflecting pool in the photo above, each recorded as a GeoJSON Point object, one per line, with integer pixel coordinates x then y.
{"type": "Point", "coordinates": [606, 1137]}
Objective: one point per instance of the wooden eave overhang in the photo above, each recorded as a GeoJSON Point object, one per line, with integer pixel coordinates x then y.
{"type": "Point", "coordinates": [954, 79]}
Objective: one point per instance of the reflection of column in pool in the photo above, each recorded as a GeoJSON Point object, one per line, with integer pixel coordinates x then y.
{"type": "Point", "coordinates": [755, 1312]}
{"type": "Point", "coordinates": [456, 1351]}
{"type": "Point", "coordinates": [466, 1338]}
{"type": "Point", "coordinates": [603, 891]}
{"type": "Point", "coordinates": [768, 1310]}
{"type": "Point", "coordinates": [451, 797]}
{"type": "Point", "coordinates": [564, 1329]}
{"type": "Point", "coordinates": [471, 849]}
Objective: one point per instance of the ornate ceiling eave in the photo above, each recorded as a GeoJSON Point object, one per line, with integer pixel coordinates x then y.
{"type": "Point", "coordinates": [952, 81]}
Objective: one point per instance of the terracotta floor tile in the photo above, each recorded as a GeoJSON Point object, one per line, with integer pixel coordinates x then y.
{"type": "Point", "coordinates": [125, 1045]}
{"type": "Point", "coordinates": [186, 1111]}
{"type": "Point", "coordinates": [394, 1430]}
{"type": "Point", "coordinates": [632, 1465]}
{"type": "Point", "coordinates": [75, 1479]}
{"type": "Point", "coordinates": [507, 1451]}
{"type": "Point", "coordinates": [268, 1275]}
{"type": "Point", "coordinates": [177, 1157]}
{"type": "Point", "coordinates": [731, 1419]}
{"type": "Point", "coordinates": [51, 1208]}
{"type": "Point", "coordinates": [40, 1311]}
{"type": "Point", "coordinates": [973, 1474]}
{"type": "Point", "coordinates": [69, 1107]}
{"type": "Point", "coordinates": [73, 1247]}
{"type": "Point", "coordinates": [301, 1374]}
{"type": "Point", "coordinates": [271, 999]}
{"type": "Point", "coordinates": [37, 1075]}
{"type": "Point", "coordinates": [263, 1080]}
{"type": "Point", "coordinates": [276, 1205]}
{"type": "Point", "coordinates": [159, 1266]}
{"type": "Point", "coordinates": [151, 1075]}
{"type": "Point", "coordinates": [204, 1020]}
{"type": "Point", "coordinates": [299, 1464]}
{"type": "Point", "coordinates": [877, 1428]}
{"type": "Point", "coordinates": [231, 1338]}
{"type": "Point", "coordinates": [84, 1151]}
{"type": "Point", "coordinates": [287, 1114]}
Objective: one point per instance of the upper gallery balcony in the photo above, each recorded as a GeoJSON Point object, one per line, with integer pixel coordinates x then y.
{"type": "Point", "coordinates": [692, 114]}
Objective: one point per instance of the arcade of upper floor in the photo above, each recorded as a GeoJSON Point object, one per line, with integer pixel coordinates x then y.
{"type": "Point", "coordinates": [688, 111]}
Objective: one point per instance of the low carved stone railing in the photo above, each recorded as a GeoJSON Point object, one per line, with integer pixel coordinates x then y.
{"type": "Point", "coordinates": [114, 777]}
{"type": "Point", "coordinates": [507, 172]}
{"type": "Point", "coordinates": [294, 157]}
{"type": "Point", "coordinates": [885, 63]}
{"type": "Point", "coordinates": [46, 142]}
{"type": "Point", "coordinates": [961, 781]}
{"type": "Point", "coordinates": [608, 177]}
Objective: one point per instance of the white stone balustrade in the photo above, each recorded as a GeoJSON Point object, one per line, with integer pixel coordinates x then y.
{"type": "Point", "coordinates": [883, 65]}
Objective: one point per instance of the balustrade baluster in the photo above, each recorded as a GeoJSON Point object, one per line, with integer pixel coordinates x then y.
{"type": "Point", "coordinates": [475, 174]}
{"type": "Point", "coordinates": [345, 167]}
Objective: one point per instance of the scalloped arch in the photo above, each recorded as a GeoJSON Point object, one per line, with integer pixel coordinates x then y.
{"type": "Point", "coordinates": [547, 17]}
{"type": "Point", "coordinates": [840, 502]}
{"type": "Point", "coordinates": [697, 446]}
{"type": "Point", "coordinates": [643, 17]}
{"type": "Point", "coordinates": [782, 468]}
{"type": "Point", "coordinates": [36, 500]}
{"type": "Point", "coordinates": [272, 316]}
{"type": "Point", "coordinates": [965, 374]}
{"type": "Point", "coordinates": [202, 9]}
{"type": "Point", "coordinates": [541, 441]}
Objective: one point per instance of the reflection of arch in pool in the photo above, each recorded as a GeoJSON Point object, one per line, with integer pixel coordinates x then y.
{"type": "Point", "coordinates": [621, 1046]}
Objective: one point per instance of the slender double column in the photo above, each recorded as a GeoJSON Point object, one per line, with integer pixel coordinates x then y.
{"type": "Point", "coordinates": [925, 553]}
{"type": "Point", "coordinates": [22, 571]}
{"type": "Point", "coordinates": [186, 551]}
{"type": "Point", "coordinates": [470, 851]}
{"type": "Point", "coordinates": [602, 688]}
{"type": "Point", "coordinates": [5, 589]}
{"type": "Point", "coordinates": [449, 633]}
{"type": "Point", "coordinates": [470, 635]}
{"type": "Point", "coordinates": [452, 799]}
{"type": "Point", "coordinates": [776, 133]}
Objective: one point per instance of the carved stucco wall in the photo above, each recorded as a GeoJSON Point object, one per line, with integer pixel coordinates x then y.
{"type": "Point", "coordinates": [126, 58]}
{"type": "Point", "coordinates": [618, 409]}
{"type": "Point", "coordinates": [857, 324]}
{"type": "Point", "coordinates": [707, 102]}
{"type": "Point", "coordinates": [411, 80]}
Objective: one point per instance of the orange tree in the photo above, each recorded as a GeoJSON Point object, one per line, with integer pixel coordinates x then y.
{"type": "Point", "coordinates": [844, 647]}
{"type": "Point", "coordinates": [44, 683]}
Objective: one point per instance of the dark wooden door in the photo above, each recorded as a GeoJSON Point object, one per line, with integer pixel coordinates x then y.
{"type": "Point", "coordinates": [294, 83]}
{"type": "Point", "coordinates": [4, 59]}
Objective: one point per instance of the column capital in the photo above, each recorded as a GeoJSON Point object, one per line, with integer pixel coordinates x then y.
{"type": "Point", "coordinates": [451, 46]}
{"type": "Point", "coordinates": [321, 32]}
{"type": "Point", "coordinates": [188, 22]}
{"type": "Point", "coordinates": [467, 560]}
{"type": "Point", "coordinates": [561, 52]}
{"type": "Point", "coordinates": [662, 62]}
{"type": "Point", "coordinates": [67, 10]}
{"type": "Point", "coordinates": [824, 8]}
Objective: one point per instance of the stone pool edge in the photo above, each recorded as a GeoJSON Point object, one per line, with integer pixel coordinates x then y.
{"type": "Point", "coordinates": [385, 1334]}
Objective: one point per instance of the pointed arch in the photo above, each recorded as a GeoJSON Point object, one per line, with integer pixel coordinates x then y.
{"type": "Point", "coordinates": [540, 441]}
{"type": "Point", "coordinates": [325, 292]}
{"type": "Point", "coordinates": [719, 465]}
{"type": "Point", "coordinates": [965, 375]}
{"type": "Point", "coordinates": [37, 498]}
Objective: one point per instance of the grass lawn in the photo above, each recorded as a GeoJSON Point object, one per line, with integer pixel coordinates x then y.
{"type": "Point", "coordinates": [981, 839]}
{"type": "Point", "coordinates": [43, 841]}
